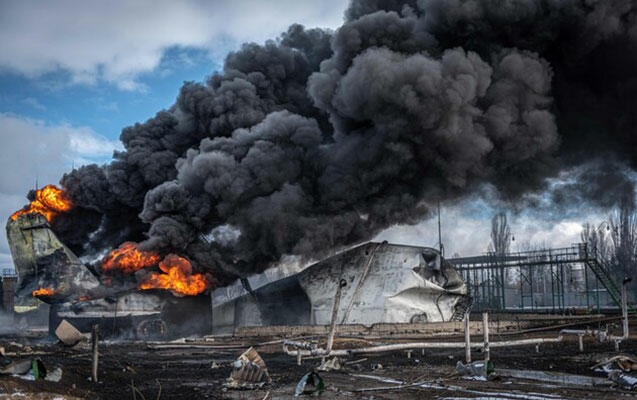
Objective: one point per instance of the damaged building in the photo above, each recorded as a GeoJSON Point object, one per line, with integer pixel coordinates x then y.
{"type": "Point", "coordinates": [49, 271]}
{"type": "Point", "coordinates": [383, 282]}
{"type": "Point", "coordinates": [379, 282]}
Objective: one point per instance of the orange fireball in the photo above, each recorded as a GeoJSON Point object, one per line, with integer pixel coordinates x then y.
{"type": "Point", "coordinates": [43, 292]}
{"type": "Point", "coordinates": [177, 277]}
{"type": "Point", "coordinates": [129, 259]}
{"type": "Point", "coordinates": [49, 201]}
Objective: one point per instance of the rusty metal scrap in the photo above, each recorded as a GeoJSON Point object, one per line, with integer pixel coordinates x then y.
{"type": "Point", "coordinates": [249, 371]}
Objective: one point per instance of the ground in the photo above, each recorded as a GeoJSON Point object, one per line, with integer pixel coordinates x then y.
{"type": "Point", "coordinates": [136, 371]}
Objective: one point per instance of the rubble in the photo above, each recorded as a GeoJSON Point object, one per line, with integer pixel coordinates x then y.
{"type": "Point", "coordinates": [248, 371]}
{"type": "Point", "coordinates": [622, 362]}
{"type": "Point", "coordinates": [19, 367]}
{"type": "Point", "coordinates": [333, 364]}
{"type": "Point", "coordinates": [624, 380]}
{"type": "Point", "coordinates": [476, 370]}
{"type": "Point", "coordinates": [68, 334]}
{"type": "Point", "coordinates": [310, 384]}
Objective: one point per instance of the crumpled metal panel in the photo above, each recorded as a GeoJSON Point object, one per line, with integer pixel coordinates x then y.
{"type": "Point", "coordinates": [249, 371]}
{"type": "Point", "coordinates": [42, 261]}
{"type": "Point", "coordinates": [385, 283]}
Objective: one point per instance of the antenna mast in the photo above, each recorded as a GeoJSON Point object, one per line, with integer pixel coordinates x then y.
{"type": "Point", "coordinates": [440, 246]}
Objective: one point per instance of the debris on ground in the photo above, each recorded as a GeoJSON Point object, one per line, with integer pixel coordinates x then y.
{"type": "Point", "coordinates": [621, 362]}
{"type": "Point", "coordinates": [620, 369]}
{"type": "Point", "coordinates": [31, 370]}
{"type": "Point", "coordinates": [333, 364]}
{"type": "Point", "coordinates": [310, 384]}
{"type": "Point", "coordinates": [248, 371]}
{"type": "Point", "coordinates": [68, 334]}
{"type": "Point", "coordinates": [19, 367]}
{"type": "Point", "coordinates": [476, 370]}
{"type": "Point", "coordinates": [625, 381]}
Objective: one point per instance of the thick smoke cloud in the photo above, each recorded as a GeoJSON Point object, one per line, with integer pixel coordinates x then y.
{"type": "Point", "coordinates": [321, 139]}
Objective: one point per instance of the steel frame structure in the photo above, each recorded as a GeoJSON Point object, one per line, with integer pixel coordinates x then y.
{"type": "Point", "coordinates": [540, 280]}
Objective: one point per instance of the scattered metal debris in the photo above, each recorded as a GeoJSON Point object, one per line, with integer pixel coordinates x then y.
{"type": "Point", "coordinates": [624, 380]}
{"type": "Point", "coordinates": [248, 371]}
{"type": "Point", "coordinates": [622, 362]}
{"type": "Point", "coordinates": [310, 384]}
{"type": "Point", "coordinates": [476, 370]}
{"type": "Point", "coordinates": [333, 364]}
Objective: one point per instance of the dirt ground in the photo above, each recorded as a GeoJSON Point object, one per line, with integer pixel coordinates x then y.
{"type": "Point", "coordinates": [135, 371]}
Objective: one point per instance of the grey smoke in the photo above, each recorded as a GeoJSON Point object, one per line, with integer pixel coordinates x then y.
{"type": "Point", "coordinates": [321, 139]}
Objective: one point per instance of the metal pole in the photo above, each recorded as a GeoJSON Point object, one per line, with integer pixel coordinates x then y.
{"type": "Point", "coordinates": [502, 290]}
{"type": "Point", "coordinates": [485, 328]}
{"type": "Point", "coordinates": [597, 293]}
{"type": "Point", "coordinates": [96, 354]}
{"type": "Point", "coordinates": [521, 289]}
{"type": "Point", "coordinates": [531, 288]}
{"type": "Point", "coordinates": [467, 339]}
{"type": "Point", "coordinates": [439, 232]}
{"type": "Point", "coordinates": [624, 311]}
{"type": "Point", "coordinates": [562, 288]}
{"type": "Point", "coordinates": [337, 301]}
{"type": "Point", "coordinates": [588, 302]}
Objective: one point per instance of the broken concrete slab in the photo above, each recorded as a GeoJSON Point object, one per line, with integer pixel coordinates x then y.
{"type": "Point", "coordinates": [19, 367]}
{"type": "Point", "coordinates": [68, 334]}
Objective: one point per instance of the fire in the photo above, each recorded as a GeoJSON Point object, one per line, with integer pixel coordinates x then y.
{"type": "Point", "coordinates": [49, 201]}
{"type": "Point", "coordinates": [128, 259]}
{"type": "Point", "coordinates": [177, 277]}
{"type": "Point", "coordinates": [43, 292]}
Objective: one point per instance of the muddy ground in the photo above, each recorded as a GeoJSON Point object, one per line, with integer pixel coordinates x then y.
{"type": "Point", "coordinates": [135, 371]}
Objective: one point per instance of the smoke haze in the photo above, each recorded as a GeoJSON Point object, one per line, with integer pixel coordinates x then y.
{"type": "Point", "coordinates": [320, 139]}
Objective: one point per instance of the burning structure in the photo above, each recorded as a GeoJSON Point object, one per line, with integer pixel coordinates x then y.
{"type": "Point", "coordinates": [385, 283]}
{"type": "Point", "coordinates": [321, 139]}
{"type": "Point", "coordinates": [48, 270]}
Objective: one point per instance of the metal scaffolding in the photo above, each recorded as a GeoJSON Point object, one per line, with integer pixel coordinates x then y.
{"type": "Point", "coordinates": [553, 280]}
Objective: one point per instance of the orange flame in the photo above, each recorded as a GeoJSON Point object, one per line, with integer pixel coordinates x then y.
{"type": "Point", "coordinates": [177, 277]}
{"type": "Point", "coordinates": [43, 292]}
{"type": "Point", "coordinates": [49, 201]}
{"type": "Point", "coordinates": [128, 259]}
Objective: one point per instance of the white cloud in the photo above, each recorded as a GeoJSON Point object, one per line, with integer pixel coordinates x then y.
{"type": "Point", "coordinates": [34, 151]}
{"type": "Point", "coordinates": [466, 232]}
{"type": "Point", "coordinates": [115, 41]}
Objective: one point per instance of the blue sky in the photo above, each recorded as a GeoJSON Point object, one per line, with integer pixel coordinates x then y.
{"type": "Point", "coordinates": [103, 106]}
{"type": "Point", "coordinates": [73, 74]}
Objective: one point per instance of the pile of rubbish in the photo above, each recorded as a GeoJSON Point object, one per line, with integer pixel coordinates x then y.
{"type": "Point", "coordinates": [27, 368]}
{"type": "Point", "coordinates": [621, 369]}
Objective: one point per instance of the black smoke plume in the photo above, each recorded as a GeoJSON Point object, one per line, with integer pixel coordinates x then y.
{"type": "Point", "coordinates": [322, 139]}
